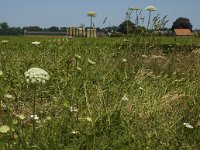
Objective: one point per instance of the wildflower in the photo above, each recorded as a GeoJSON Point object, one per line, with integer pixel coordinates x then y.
{"type": "Point", "coordinates": [36, 75]}
{"type": "Point", "coordinates": [4, 41]}
{"type": "Point", "coordinates": [88, 119]}
{"type": "Point", "coordinates": [35, 117]}
{"type": "Point", "coordinates": [74, 132]}
{"type": "Point", "coordinates": [48, 118]}
{"type": "Point", "coordinates": [77, 56]}
{"type": "Point", "coordinates": [9, 96]}
{"type": "Point", "coordinates": [124, 60]}
{"type": "Point", "coordinates": [4, 129]}
{"type": "Point", "coordinates": [36, 43]}
{"type": "Point", "coordinates": [151, 8]}
{"type": "Point", "coordinates": [91, 13]}
{"type": "Point", "coordinates": [21, 117]}
{"type": "Point", "coordinates": [91, 62]}
{"type": "Point", "coordinates": [73, 109]}
{"type": "Point", "coordinates": [1, 73]}
{"type": "Point", "coordinates": [187, 125]}
{"type": "Point", "coordinates": [124, 98]}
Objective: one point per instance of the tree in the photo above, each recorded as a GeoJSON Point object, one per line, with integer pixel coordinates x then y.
{"type": "Point", "coordinates": [126, 27]}
{"type": "Point", "coordinates": [54, 29]}
{"type": "Point", "coordinates": [4, 25]}
{"type": "Point", "coordinates": [182, 23]}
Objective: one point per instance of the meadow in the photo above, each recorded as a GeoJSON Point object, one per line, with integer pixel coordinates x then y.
{"type": "Point", "coordinates": [103, 93]}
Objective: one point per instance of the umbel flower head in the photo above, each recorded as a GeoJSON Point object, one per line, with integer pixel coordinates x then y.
{"type": "Point", "coordinates": [36, 75]}
{"type": "Point", "coordinates": [151, 8]}
{"type": "Point", "coordinates": [91, 13]}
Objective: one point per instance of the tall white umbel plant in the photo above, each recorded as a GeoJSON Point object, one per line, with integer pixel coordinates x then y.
{"type": "Point", "coordinates": [150, 9]}
{"type": "Point", "coordinates": [91, 14]}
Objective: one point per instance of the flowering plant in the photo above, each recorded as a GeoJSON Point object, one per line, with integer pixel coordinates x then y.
{"type": "Point", "coordinates": [36, 75]}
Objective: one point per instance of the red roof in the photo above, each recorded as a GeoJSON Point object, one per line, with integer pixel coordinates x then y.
{"type": "Point", "coordinates": [183, 32]}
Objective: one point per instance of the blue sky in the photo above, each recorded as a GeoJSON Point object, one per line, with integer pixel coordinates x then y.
{"type": "Point", "coordinates": [46, 13]}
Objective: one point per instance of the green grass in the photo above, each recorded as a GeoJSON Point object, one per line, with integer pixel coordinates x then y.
{"type": "Point", "coordinates": [161, 85]}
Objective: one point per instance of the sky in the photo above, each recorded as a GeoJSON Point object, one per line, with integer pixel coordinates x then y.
{"type": "Point", "coordinates": [63, 13]}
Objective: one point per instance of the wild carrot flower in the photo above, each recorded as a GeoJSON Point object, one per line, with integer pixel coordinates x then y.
{"type": "Point", "coordinates": [73, 109]}
{"type": "Point", "coordinates": [35, 117]}
{"type": "Point", "coordinates": [150, 9]}
{"type": "Point", "coordinates": [4, 129]}
{"type": "Point", "coordinates": [124, 98]}
{"type": "Point", "coordinates": [21, 117]}
{"type": "Point", "coordinates": [36, 43]}
{"type": "Point", "coordinates": [4, 41]}
{"type": "Point", "coordinates": [36, 75]}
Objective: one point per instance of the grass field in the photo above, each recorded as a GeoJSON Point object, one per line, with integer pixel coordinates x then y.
{"type": "Point", "coordinates": [103, 93]}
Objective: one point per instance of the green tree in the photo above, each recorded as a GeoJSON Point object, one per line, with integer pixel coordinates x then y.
{"type": "Point", "coordinates": [182, 23]}
{"type": "Point", "coordinates": [126, 27]}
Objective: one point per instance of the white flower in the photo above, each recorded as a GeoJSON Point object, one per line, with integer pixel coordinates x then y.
{"type": "Point", "coordinates": [74, 132]}
{"type": "Point", "coordinates": [91, 13]}
{"type": "Point", "coordinates": [73, 109]}
{"type": "Point", "coordinates": [9, 96]}
{"type": "Point", "coordinates": [91, 62]}
{"type": "Point", "coordinates": [88, 119]}
{"type": "Point", "coordinates": [34, 117]}
{"type": "Point", "coordinates": [187, 125]}
{"type": "Point", "coordinates": [4, 129]}
{"type": "Point", "coordinates": [124, 60]}
{"type": "Point", "coordinates": [36, 75]}
{"type": "Point", "coordinates": [1, 73]}
{"type": "Point", "coordinates": [151, 8]}
{"type": "Point", "coordinates": [22, 117]}
{"type": "Point", "coordinates": [124, 98]}
{"type": "Point", "coordinates": [36, 43]}
{"type": "Point", "coordinates": [4, 41]}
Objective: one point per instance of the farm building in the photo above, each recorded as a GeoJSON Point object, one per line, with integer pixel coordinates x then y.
{"type": "Point", "coordinates": [42, 33]}
{"type": "Point", "coordinates": [182, 32]}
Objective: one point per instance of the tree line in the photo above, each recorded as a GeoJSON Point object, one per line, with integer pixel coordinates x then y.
{"type": "Point", "coordinates": [125, 27]}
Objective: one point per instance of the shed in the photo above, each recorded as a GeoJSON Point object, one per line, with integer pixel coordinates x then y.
{"type": "Point", "coordinates": [182, 32]}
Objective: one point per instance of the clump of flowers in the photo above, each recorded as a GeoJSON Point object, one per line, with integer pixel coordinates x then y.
{"type": "Point", "coordinates": [4, 129]}
{"type": "Point", "coordinates": [36, 75]}
{"type": "Point", "coordinates": [151, 8]}
{"type": "Point", "coordinates": [4, 41]}
{"type": "Point", "coordinates": [36, 43]}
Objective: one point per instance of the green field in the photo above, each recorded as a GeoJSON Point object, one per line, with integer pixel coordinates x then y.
{"type": "Point", "coordinates": [103, 93]}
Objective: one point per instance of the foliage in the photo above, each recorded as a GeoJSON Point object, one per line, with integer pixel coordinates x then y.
{"type": "Point", "coordinates": [182, 23]}
{"type": "Point", "coordinates": [126, 27]}
{"type": "Point", "coordinates": [106, 93]}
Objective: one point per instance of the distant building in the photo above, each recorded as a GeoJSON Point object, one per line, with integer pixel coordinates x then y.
{"type": "Point", "coordinates": [43, 33]}
{"type": "Point", "coordinates": [183, 32]}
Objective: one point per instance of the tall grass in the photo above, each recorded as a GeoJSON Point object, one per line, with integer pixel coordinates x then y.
{"type": "Point", "coordinates": [102, 94]}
